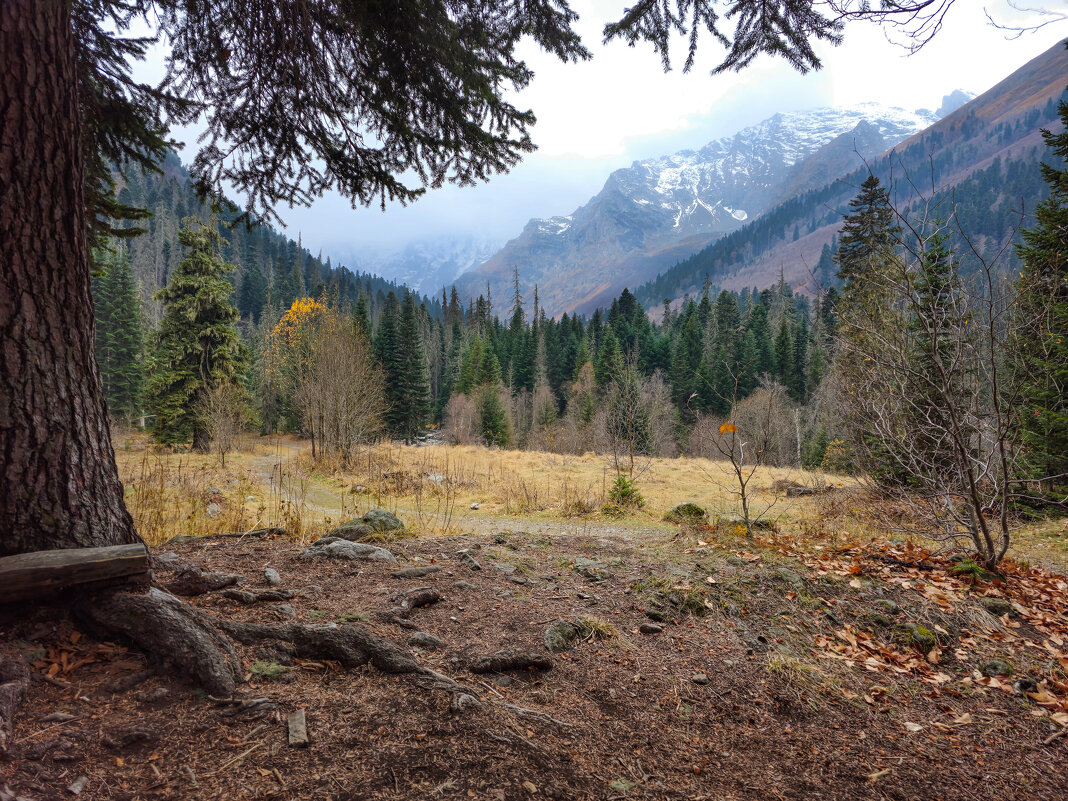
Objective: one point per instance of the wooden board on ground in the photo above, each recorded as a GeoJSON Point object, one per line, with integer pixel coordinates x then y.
{"type": "Point", "coordinates": [41, 573]}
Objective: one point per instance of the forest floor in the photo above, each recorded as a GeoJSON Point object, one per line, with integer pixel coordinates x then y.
{"type": "Point", "coordinates": [809, 662]}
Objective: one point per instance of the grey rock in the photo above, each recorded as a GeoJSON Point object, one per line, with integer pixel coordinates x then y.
{"type": "Point", "coordinates": [270, 575]}
{"type": "Point", "coordinates": [735, 561]}
{"type": "Point", "coordinates": [168, 558]}
{"type": "Point", "coordinates": [699, 678]}
{"type": "Point", "coordinates": [332, 548]}
{"type": "Point", "coordinates": [354, 531]}
{"type": "Point", "coordinates": [464, 585]}
{"type": "Point", "coordinates": [888, 606]}
{"type": "Point", "coordinates": [738, 520]}
{"type": "Point", "coordinates": [470, 561]}
{"type": "Point", "coordinates": [462, 702]}
{"type": "Point", "coordinates": [415, 572]}
{"type": "Point", "coordinates": [437, 478]}
{"type": "Point", "coordinates": [921, 636]}
{"type": "Point", "coordinates": [650, 628]}
{"type": "Point", "coordinates": [560, 636]}
{"type": "Point", "coordinates": [474, 507]}
{"type": "Point", "coordinates": [995, 667]}
{"type": "Point", "coordinates": [381, 520]}
{"type": "Point", "coordinates": [423, 639]}
{"type": "Point", "coordinates": [213, 509]}
{"type": "Point", "coordinates": [507, 569]}
{"type": "Point", "coordinates": [657, 614]}
{"type": "Point", "coordinates": [502, 680]}
{"type": "Point", "coordinates": [285, 609]}
{"type": "Point", "coordinates": [996, 606]}
{"type": "Point", "coordinates": [790, 577]}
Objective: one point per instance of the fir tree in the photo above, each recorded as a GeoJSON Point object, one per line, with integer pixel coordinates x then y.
{"type": "Point", "coordinates": [1043, 290]}
{"type": "Point", "coordinates": [197, 345]}
{"type": "Point", "coordinates": [414, 389]}
{"type": "Point", "coordinates": [609, 362]}
{"type": "Point", "coordinates": [119, 337]}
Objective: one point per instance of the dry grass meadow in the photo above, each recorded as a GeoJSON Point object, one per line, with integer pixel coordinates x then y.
{"type": "Point", "coordinates": [273, 481]}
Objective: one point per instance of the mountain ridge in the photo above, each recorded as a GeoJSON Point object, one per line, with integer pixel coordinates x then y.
{"type": "Point", "coordinates": [657, 210]}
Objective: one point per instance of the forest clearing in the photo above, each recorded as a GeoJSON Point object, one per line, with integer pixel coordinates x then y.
{"type": "Point", "coordinates": [635, 658]}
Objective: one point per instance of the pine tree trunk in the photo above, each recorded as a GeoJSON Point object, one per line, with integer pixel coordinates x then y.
{"type": "Point", "coordinates": [59, 487]}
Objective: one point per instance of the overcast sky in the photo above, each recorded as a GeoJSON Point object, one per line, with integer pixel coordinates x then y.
{"type": "Point", "coordinates": [600, 115]}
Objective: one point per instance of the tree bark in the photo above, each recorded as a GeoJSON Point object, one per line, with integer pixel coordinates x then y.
{"type": "Point", "coordinates": [59, 487]}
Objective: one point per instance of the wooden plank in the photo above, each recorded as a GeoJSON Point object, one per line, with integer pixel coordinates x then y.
{"type": "Point", "coordinates": [33, 575]}
{"type": "Point", "coordinates": [298, 729]}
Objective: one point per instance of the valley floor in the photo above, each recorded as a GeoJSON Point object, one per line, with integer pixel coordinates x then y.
{"type": "Point", "coordinates": [706, 666]}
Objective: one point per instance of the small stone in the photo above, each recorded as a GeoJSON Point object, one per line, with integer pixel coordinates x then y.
{"type": "Point", "coordinates": [560, 636]}
{"type": "Point", "coordinates": [437, 478]}
{"type": "Point", "coordinates": [415, 572]}
{"type": "Point", "coordinates": [998, 607]}
{"type": "Point", "coordinates": [79, 784]}
{"type": "Point", "coordinates": [889, 607]}
{"type": "Point", "coordinates": [995, 667]}
{"type": "Point", "coordinates": [470, 561]}
{"type": "Point", "coordinates": [213, 509]}
{"type": "Point", "coordinates": [735, 561]}
{"type": "Point", "coordinates": [657, 614]}
{"type": "Point", "coordinates": [790, 577]}
{"type": "Point", "coordinates": [922, 637]}
{"type": "Point", "coordinates": [502, 680]}
{"type": "Point", "coordinates": [505, 568]}
{"type": "Point", "coordinates": [285, 609]}
{"type": "Point", "coordinates": [462, 702]}
{"type": "Point", "coordinates": [474, 507]}
{"type": "Point", "coordinates": [423, 639]}
{"type": "Point", "coordinates": [464, 585]}
{"type": "Point", "coordinates": [699, 678]}
{"type": "Point", "coordinates": [650, 628]}
{"type": "Point", "coordinates": [298, 729]}
{"type": "Point", "coordinates": [270, 575]}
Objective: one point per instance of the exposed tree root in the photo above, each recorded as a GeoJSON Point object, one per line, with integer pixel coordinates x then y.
{"type": "Point", "coordinates": [171, 632]}
{"type": "Point", "coordinates": [351, 645]}
{"type": "Point", "coordinates": [190, 579]}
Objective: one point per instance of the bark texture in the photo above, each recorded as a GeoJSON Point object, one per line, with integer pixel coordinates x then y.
{"type": "Point", "coordinates": [59, 487]}
{"type": "Point", "coordinates": [174, 634]}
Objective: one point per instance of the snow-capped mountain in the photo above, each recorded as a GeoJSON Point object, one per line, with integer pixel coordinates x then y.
{"type": "Point", "coordinates": [426, 265]}
{"type": "Point", "coordinates": [656, 211]}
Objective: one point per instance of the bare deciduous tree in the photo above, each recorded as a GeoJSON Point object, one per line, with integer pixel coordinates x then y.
{"type": "Point", "coordinates": [223, 411]}
{"type": "Point", "coordinates": [340, 394]}
{"type": "Point", "coordinates": [933, 399]}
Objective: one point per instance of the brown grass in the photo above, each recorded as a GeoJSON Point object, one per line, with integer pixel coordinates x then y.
{"type": "Point", "coordinates": [274, 482]}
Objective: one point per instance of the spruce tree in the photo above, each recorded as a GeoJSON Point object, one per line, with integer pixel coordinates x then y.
{"type": "Point", "coordinates": [1043, 291]}
{"type": "Point", "coordinates": [609, 363]}
{"type": "Point", "coordinates": [197, 345]}
{"type": "Point", "coordinates": [414, 382]}
{"type": "Point", "coordinates": [120, 337]}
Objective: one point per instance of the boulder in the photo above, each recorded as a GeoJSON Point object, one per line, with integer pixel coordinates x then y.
{"type": "Point", "coordinates": [687, 512]}
{"type": "Point", "coordinates": [381, 520]}
{"type": "Point", "coordinates": [334, 548]}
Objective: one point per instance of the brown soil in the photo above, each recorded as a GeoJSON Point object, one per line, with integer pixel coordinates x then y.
{"type": "Point", "coordinates": [808, 694]}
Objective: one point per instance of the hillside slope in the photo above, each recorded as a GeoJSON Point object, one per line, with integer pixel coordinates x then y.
{"type": "Point", "coordinates": [656, 211]}
{"type": "Point", "coordinates": [979, 162]}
